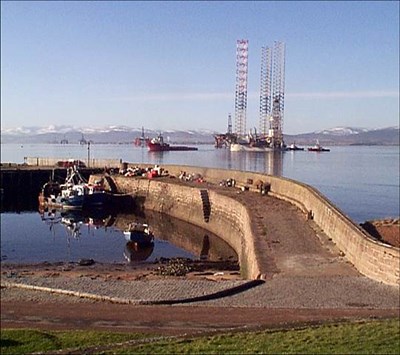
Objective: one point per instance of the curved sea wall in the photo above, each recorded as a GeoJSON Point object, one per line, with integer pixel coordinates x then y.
{"type": "Point", "coordinates": [231, 221]}
{"type": "Point", "coordinates": [227, 218]}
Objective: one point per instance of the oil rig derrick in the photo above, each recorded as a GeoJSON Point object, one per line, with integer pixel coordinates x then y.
{"type": "Point", "coordinates": [272, 95]}
{"type": "Point", "coordinates": [278, 96]}
{"type": "Point", "coordinates": [223, 140]}
{"type": "Point", "coordinates": [242, 55]}
{"type": "Point", "coordinates": [265, 90]}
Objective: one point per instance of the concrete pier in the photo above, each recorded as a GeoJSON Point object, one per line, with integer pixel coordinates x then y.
{"type": "Point", "coordinates": [232, 218]}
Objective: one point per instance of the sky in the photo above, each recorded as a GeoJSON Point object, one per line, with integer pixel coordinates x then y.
{"type": "Point", "coordinates": [172, 65]}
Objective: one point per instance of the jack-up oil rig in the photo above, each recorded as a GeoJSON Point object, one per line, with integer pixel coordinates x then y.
{"type": "Point", "coordinates": [272, 95]}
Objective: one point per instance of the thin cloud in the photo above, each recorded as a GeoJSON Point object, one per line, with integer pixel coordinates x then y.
{"type": "Point", "coordinates": [199, 96]}
{"type": "Point", "coordinates": [343, 95]}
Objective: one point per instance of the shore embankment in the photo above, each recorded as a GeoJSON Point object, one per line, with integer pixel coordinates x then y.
{"type": "Point", "coordinates": [233, 218]}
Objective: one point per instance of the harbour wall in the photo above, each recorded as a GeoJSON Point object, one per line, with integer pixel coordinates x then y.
{"type": "Point", "coordinates": [92, 162]}
{"type": "Point", "coordinates": [228, 218]}
{"type": "Point", "coordinates": [231, 220]}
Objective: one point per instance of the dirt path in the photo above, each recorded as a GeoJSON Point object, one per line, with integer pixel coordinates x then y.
{"type": "Point", "coordinates": [166, 320]}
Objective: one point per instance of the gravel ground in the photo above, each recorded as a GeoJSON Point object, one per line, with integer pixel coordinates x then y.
{"type": "Point", "coordinates": [285, 292]}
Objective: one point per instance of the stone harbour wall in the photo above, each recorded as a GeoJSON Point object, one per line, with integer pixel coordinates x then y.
{"type": "Point", "coordinates": [230, 220]}
{"type": "Point", "coordinates": [227, 218]}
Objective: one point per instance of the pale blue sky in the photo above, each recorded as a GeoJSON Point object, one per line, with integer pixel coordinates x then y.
{"type": "Point", "coordinates": [171, 65]}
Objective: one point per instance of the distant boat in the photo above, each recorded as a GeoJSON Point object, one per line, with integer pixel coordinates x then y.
{"type": "Point", "coordinates": [294, 147]}
{"type": "Point", "coordinates": [158, 145]}
{"type": "Point", "coordinates": [318, 148]}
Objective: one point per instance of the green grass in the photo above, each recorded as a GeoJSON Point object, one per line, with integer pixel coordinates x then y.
{"type": "Point", "coordinates": [378, 337]}
{"type": "Point", "coordinates": [373, 337]}
{"type": "Point", "coordinates": [25, 341]}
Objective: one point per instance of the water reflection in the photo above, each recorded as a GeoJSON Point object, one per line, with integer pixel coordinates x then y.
{"type": "Point", "coordinates": [270, 163]}
{"type": "Point", "coordinates": [138, 252]}
{"type": "Point", "coordinates": [172, 237]}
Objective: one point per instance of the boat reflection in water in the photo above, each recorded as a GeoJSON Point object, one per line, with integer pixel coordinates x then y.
{"type": "Point", "coordinates": [73, 220]}
{"type": "Point", "coordinates": [138, 251]}
{"type": "Point", "coordinates": [154, 236]}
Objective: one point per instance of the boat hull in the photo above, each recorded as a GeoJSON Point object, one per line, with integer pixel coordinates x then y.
{"type": "Point", "coordinates": [94, 201]}
{"type": "Point", "coordinates": [294, 149]}
{"type": "Point", "coordinates": [166, 148]}
{"type": "Point", "coordinates": [236, 147]}
{"type": "Point", "coordinates": [318, 150]}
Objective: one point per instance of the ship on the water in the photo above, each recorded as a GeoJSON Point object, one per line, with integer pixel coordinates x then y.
{"type": "Point", "coordinates": [158, 145]}
{"type": "Point", "coordinates": [318, 148]}
{"type": "Point", "coordinates": [293, 147]}
{"type": "Point", "coordinates": [252, 142]}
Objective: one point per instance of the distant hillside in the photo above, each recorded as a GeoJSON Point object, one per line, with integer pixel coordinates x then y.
{"type": "Point", "coordinates": [125, 135]}
{"type": "Point", "coordinates": [348, 136]}
{"type": "Point", "coordinates": [112, 134]}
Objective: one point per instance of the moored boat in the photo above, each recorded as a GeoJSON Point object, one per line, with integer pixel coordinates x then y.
{"type": "Point", "coordinates": [75, 193]}
{"type": "Point", "coordinates": [158, 145]}
{"type": "Point", "coordinates": [294, 147]}
{"type": "Point", "coordinates": [318, 148]}
{"type": "Point", "coordinates": [139, 233]}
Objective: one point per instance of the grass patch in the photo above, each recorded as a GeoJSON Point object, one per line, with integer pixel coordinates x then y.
{"type": "Point", "coordinates": [376, 337]}
{"type": "Point", "coordinates": [25, 341]}
{"type": "Point", "coordinates": [373, 337]}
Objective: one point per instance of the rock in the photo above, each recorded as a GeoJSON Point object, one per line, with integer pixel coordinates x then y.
{"type": "Point", "coordinates": [86, 262]}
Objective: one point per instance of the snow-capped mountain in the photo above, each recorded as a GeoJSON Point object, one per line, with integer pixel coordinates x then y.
{"type": "Point", "coordinates": [108, 134]}
{"type": "Point", "coordinates": [342, 131]}
{"type": "Point", "coordinates": [349, 136]}
{"type": "Point", "coordinates": [125, 134]}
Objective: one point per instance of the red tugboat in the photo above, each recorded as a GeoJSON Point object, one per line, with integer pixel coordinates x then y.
{"type": "Point", "coordinates": [158, 145]}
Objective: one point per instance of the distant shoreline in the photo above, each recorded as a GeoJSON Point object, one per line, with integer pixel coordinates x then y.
{"type": "Point", "coordinates": [305, 143]}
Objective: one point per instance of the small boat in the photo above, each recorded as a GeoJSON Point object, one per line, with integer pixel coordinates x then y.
{"type": "Point", "coordinates": [294, 147]}
{"type": "Point", "coordinates": [139, 233]}
{"type": "Point", "coordinates": [318, 148]}
{"type": "Point", "coordinates": [158, 145]}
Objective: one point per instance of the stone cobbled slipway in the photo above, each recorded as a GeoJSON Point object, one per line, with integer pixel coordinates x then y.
{"type": "Point", "coordinates": [285, 292]}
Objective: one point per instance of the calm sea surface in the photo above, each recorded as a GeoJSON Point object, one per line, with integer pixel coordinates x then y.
{"type": "Point", "coordinates": [363, 181]}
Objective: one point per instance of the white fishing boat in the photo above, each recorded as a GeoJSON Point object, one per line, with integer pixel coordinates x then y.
{"type": "Point", "coordinates": [139, 233]}
{"type": "Point", "coordinates": [75, 193]}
